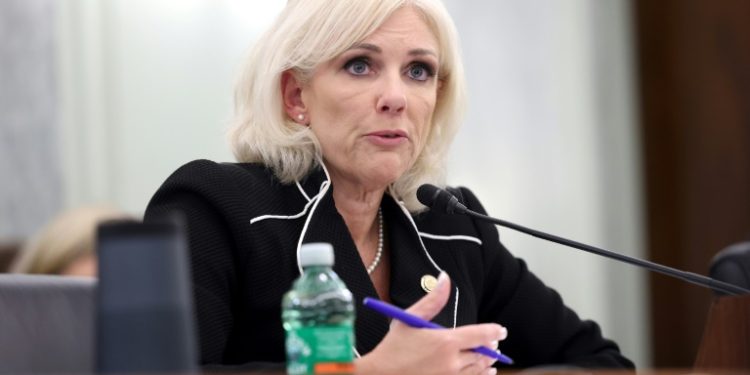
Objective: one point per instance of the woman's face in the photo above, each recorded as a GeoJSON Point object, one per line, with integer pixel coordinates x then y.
{"type": "Point", "coordinates": [372, 106]}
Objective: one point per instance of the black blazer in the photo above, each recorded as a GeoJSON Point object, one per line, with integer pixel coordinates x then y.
{"type": "Point", "coordinates": [244, 231]}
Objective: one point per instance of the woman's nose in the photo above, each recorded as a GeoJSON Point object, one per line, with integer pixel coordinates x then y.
{"type": "Point", "coordinates": [393, 97]}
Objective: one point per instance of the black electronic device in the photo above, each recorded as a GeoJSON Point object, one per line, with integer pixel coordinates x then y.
{"type": "Point", "coordinates": [144, 309]}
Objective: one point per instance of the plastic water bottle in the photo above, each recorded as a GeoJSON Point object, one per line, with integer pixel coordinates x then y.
{"type": "Point", "coordinates": [318, 316]}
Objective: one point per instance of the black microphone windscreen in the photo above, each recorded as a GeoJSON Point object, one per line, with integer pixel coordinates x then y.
{"type": "Point", "coordinates": [427, 193]}
{"type": "Point", "coordinates": [439, 200]}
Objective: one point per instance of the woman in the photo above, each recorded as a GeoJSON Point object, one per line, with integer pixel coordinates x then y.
{"type": "Point", "coordinates": [344, 109]}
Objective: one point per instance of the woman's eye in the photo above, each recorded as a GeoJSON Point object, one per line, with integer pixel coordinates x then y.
{"type": "Point", "coordinates": [420, 72]}
{"type": "Point", "coordinates": [358, 67]}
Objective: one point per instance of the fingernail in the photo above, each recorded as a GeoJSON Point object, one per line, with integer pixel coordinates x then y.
{"type": "Point", "coordinates": [503, 333]}
{"type": "Point", "coordinates": [442, 278]}
{"type": "Point", "coordinates": [495, 344]}
{"type": "Point", "coordinates": [492, 371]}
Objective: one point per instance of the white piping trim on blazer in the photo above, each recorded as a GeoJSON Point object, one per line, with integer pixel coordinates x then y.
{"type": "Point", "coordinates": [406, 213]}
{"type": "Point", "coordinates": [453, 237]}
{"type": "Point", "coordinates": [283, 217]}
{"type": "Point", "coordinates": [311, 202]}
{"type": "Point", "coordinates": [301, 190]}
{"type": "Point", "coordinates": [424, 248]}
{"type": "Point", "coordinates": [323, 190]}
{"type": "Point", "coordinates": [455, 309]}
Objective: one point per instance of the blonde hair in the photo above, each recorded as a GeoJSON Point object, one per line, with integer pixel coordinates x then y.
{"type": "Point", "coordinates": [68, 237]}
{"type": "Point", "coordinates": [310, 32]}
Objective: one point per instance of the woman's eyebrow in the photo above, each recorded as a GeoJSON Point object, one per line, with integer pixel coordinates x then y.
{"type": "Point", "coordinates": [367, 46]}
{"type": "Point", "coordinates": [422, 51]}
{"type": "Point", "coordinates": [376, 49]}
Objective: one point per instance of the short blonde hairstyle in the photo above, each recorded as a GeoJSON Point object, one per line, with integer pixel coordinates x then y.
{"type": "Point", "coordinates": [310, 32]}
{"type": "Point", "coordinates": [68, 237]}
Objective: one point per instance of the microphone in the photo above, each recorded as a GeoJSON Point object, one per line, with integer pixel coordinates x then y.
{"type": "Point", "coordinates": [440, 200]}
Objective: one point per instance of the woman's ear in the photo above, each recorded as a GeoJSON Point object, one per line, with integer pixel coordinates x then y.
{"type": "Point", "coordinates": [291, 92]}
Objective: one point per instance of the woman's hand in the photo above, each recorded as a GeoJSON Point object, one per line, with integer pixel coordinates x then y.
{"type": "Point", "coordinates": [407, 350]}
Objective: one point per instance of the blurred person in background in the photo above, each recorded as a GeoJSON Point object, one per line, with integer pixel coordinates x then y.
{"type": "Point", "coordinates": [66, 245]}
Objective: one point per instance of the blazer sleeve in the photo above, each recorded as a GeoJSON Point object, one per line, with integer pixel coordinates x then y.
{"type": "Point", "coordinates": [542, 330]}
{"type": "Point", "coordinates": [191, 192]}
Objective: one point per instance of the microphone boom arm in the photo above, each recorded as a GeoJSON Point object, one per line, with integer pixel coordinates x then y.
{"type": "Point", "coordinates": [690, 277]}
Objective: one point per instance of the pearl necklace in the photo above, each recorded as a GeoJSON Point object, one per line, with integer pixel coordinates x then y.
{"type": "Point", "coordinates": [379, 253]}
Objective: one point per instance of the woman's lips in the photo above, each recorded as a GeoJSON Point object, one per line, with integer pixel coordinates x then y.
{"type": "Point", "coordinates": [388, 138]}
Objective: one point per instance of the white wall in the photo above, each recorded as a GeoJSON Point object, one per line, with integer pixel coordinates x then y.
{"type": "Point", "coordinates": [148, 86]}
{"type": "Point", "coordinates": [549, 142]}
{"type": "Point", "coordinates": [31, 182]}
{"type": "Point", "coordinates": [551, 139]}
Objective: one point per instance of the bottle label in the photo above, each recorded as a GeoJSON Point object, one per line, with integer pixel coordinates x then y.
{"type": "Point", "coordinates": [320, 350]}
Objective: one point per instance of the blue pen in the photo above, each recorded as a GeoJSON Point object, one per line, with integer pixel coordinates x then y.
{"type": "Point", "coordinates": [394, 312]}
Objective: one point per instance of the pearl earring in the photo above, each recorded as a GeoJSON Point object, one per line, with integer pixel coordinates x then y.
{"type": "Point", "coordinates": [301, 117]}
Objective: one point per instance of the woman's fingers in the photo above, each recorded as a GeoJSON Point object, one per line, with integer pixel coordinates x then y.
{"type": "Point", "coordinates": [479, 367]}
{"type": "Point", "coordinates": [486, 362]}
{"type": "Point", "coordinates": [431, 304]}
{"type": "Point", "coordinates": [471, 336]}
{"type": "Point", "coordinates": [468, 359]}
{"type": "Point", "coordinates": [477, 362]}
{"type": "Point", "coordinates": [494, 345]}
{"type": "Point", "coordinates": [411, 350]}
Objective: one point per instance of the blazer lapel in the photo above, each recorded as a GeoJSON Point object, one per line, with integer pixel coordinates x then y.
{"type": "Point", "coordinates": [409, 263]}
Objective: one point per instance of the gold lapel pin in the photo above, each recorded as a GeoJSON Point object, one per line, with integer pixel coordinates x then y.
{"type": "Point", "coordinates": [428, 283]}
